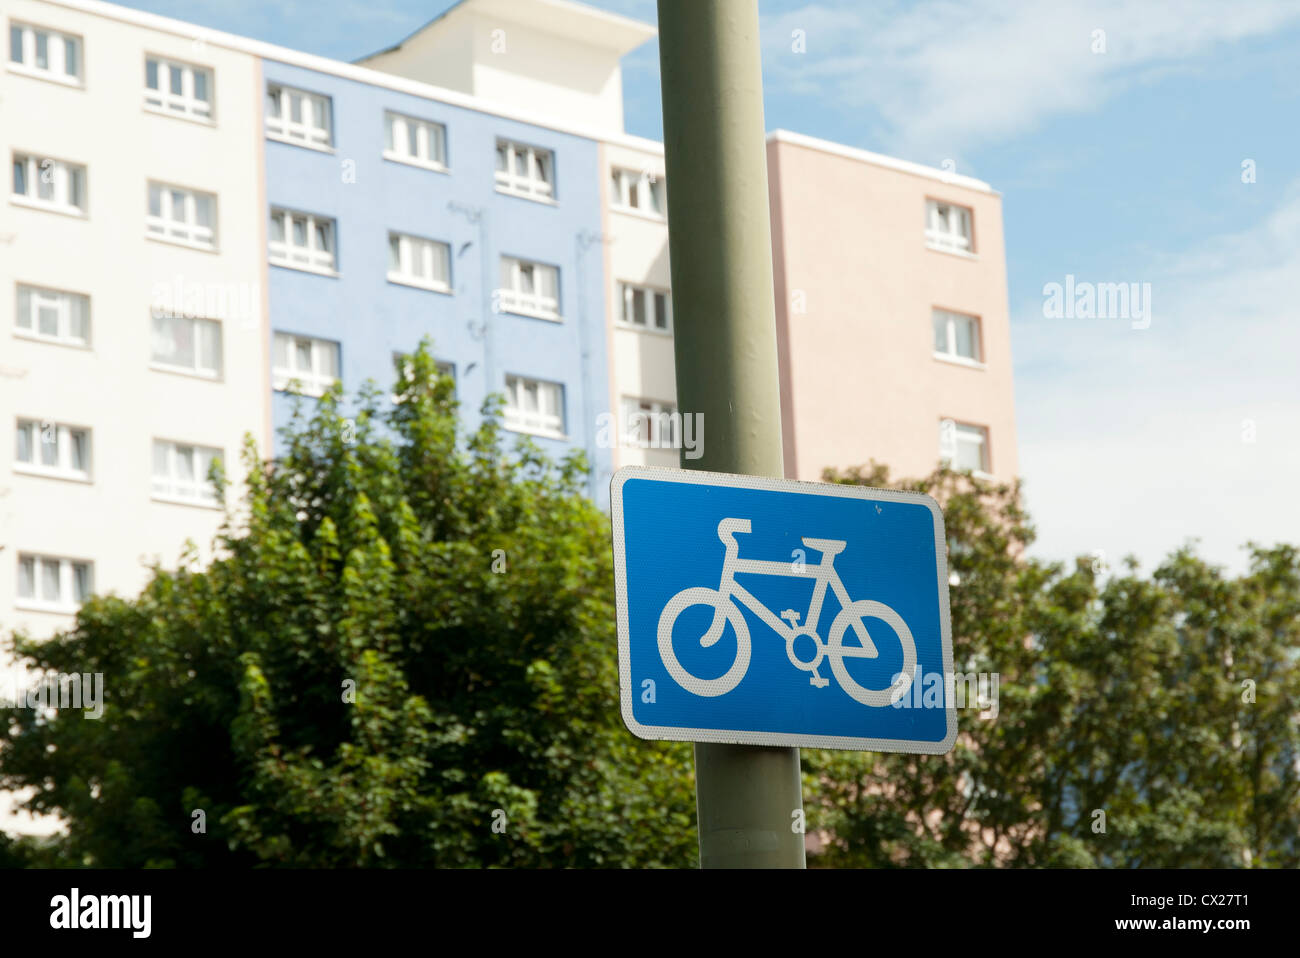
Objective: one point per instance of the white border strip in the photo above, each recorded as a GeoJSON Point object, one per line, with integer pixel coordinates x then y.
{"type": "Point", "coordinates": [739, 737]}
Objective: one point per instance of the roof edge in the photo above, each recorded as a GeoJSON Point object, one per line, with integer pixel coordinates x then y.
{"type": "Point", "coordinates": [879, 159]}
{"type": "Point", "coordinates": [342, 69]}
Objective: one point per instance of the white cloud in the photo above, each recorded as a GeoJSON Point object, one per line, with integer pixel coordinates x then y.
{"type": "Point", "coordinates": [949, 76]}
{"type": "Point", "coordinates": [1136, 440]}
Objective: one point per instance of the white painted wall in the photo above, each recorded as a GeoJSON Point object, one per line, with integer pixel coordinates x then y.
{"type": "Point", "coordinates": [556, 61]}
{"type": "Point", "coordinates": [555, 76]}
{"type": "Point", "coordinates": [636, 251]}
{"type": "Point", "coordinates": [110, 386]}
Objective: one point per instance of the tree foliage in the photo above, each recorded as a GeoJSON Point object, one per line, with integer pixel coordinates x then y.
{"type": "Point", "coordinates": [406, 640]}
{"type": "Point", "coordinates": [1141, 722]}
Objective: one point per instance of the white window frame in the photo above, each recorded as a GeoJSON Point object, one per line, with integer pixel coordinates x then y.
{"type": "Point", "coordinates": [302, 132]}
{"type": "Point", "coordinates": [56, 63]}
{"type": "Point", "coordinates": [949, 226]}
{"type": "Point", "coordinates": [311, 258]}
{"type": "Point", "coordinates": [313, 381]}
{"type": "Point", "coordinates": [203, 366]}
{"type": "Point", "coordinates": [950, 319]}
{"type": "Point", "coordinates": [39, 601]}
{"type": "Point", "coordinates": [953, 434]}
{"type": "Point", "coordinates": [628, 293]}
{"type": "Point", "coordinates": [183, 230]}
{"type": "Point", "coordinates": [627, 187]}
{"type": "Point", "coordinates": [61, 176]}
{"type": "Point", "coordinates": [172, 487]}
{"type": "Point", "coordinates": [529, 184]}
{"type": "Point", "coordinates": [538, 421]}
{"type": "Point", "coordinates": [650, 413]}
{"type": "Point", "coordinates": [27, 324]}
{"type": "Point", "coordinates": [42, 433]}
{"type": "Point", "coordinates": [515, 298]}
{"type": "Point", "coordinates": [429, 253]}
{"type": "Point", "coordinates": [184, 104]}
{"type": "Point", "coordinates": [430, 136]}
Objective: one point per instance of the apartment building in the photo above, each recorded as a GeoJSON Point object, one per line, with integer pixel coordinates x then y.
{"type": "Point", "coordinates": [605, 225]}
{"type": "Point", "coordinates": [393, 215]}
{"type": "Point", "coordinates": [197, 226]}
{"type": "Point", "coordinates": [132, 309]}
{"type": "Point", "coordinates": [131, 313]}
{"type": "Point", "coordinates": [893, 331]}
{"type": "Point", "coordinates": [644, 413]}
{"type": "Point", "coordinates": [307, 220]}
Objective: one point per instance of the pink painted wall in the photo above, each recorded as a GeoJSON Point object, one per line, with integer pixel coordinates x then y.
{"type": "Point", "coordinates": [859, 379]}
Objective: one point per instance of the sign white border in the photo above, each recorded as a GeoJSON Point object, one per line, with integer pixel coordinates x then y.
{"type": "Point", "coordinates": [784, 739]}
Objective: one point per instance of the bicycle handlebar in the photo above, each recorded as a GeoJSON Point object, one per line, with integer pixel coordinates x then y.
{"type": "Point", "coordinates": [728, 529]}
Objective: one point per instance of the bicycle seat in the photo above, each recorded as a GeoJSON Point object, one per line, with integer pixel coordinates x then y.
{"type": "Point", "coordinates": [827, 547]}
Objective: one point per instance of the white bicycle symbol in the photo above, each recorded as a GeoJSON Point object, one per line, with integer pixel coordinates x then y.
{"type": "Point", "coordinates": [724, 601]}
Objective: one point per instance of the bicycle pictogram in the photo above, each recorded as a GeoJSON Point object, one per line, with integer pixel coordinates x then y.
{"type": "Point", "coordinates": [726, 602]}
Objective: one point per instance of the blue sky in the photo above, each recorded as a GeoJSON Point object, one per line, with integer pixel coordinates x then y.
{"type": "Point", "coordinates": [1115, 166]}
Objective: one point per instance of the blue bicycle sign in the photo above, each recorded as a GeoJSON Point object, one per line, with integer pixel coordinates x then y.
{"type": "Point", "coordinates": [846, 586]}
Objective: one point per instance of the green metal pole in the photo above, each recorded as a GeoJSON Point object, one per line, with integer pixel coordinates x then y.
{"type": "Point", "coordinates": [749, 800]}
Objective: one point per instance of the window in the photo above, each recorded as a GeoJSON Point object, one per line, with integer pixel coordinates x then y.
{"type": "Point", "coordinates": [302, 240]}
{"type": "Point", "coordinates": [52, 584]}
{"type": "Point", "coordinates": [44, 53]}
{"type": "Point", "coordinates": [54, 449]}
{"type": "Point", "coordinates": [956, 336]}
{"type": "Point", "coordinates": [177, 88]}
{"type": "Point", "coordinates": [964, 447]}
{"type": "Point", "coordinates": [643, 192]}
{"type": "Point", "coordinates": [415, 261]}
{"type": "Point", "coordinates": [947, 226]}
{"type": "Point", "coordinates": [50, 184]}
{"type": "Point", "coordinates": [180, 472]}
{"type": "Point", "coordinates": [52, 315]}
{"type": "Point", "coordinates": [525, 170]}
{"type": "Point", "coordinates": [420, 142]}
{"type": "Point", "coordinates": [314, 363]}
{"type": "Point", "coordinates": [535, 406]}
{"type": "Point", "coordinates": [182, 216]}
{"type": "Point", "coordinates": [650, 424]}
{"type": "Point", "coordinates": [530, 289]}
{"type": "Point", "coordinates": [187, 345]}
{"type": "Point", "coordinates": [646, 308]}
{"type": "Point", "coordinates": [296, 116]}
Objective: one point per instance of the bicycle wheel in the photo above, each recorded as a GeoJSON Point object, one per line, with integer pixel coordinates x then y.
{"type": "Point", "coordinates": [836, 652]}
{"type": "Point", "coordinates": [721, 605]}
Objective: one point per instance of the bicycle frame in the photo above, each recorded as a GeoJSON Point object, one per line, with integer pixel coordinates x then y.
{"type": "Point", "coordinates": [824, 573]}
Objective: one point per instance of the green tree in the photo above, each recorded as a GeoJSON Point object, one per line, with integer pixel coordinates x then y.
{"type": "Point", "coordinates": [1141, 722]}
{"type": "Point", "coordinates": [406, 639]}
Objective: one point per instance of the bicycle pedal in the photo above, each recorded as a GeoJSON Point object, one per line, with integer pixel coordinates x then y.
{"type": "Point", "coordinates": [820, 683]}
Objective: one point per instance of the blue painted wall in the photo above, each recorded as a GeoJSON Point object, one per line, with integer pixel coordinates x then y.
{"type": "Point", "coordinates": [372, 318]}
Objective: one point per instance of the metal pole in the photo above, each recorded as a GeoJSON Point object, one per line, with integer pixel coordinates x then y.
{"type": "Point", "coordinates": [748, 798]}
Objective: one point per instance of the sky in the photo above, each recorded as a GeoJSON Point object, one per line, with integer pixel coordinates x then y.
{"type": "Point", "coordinates": [1155, 143]}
